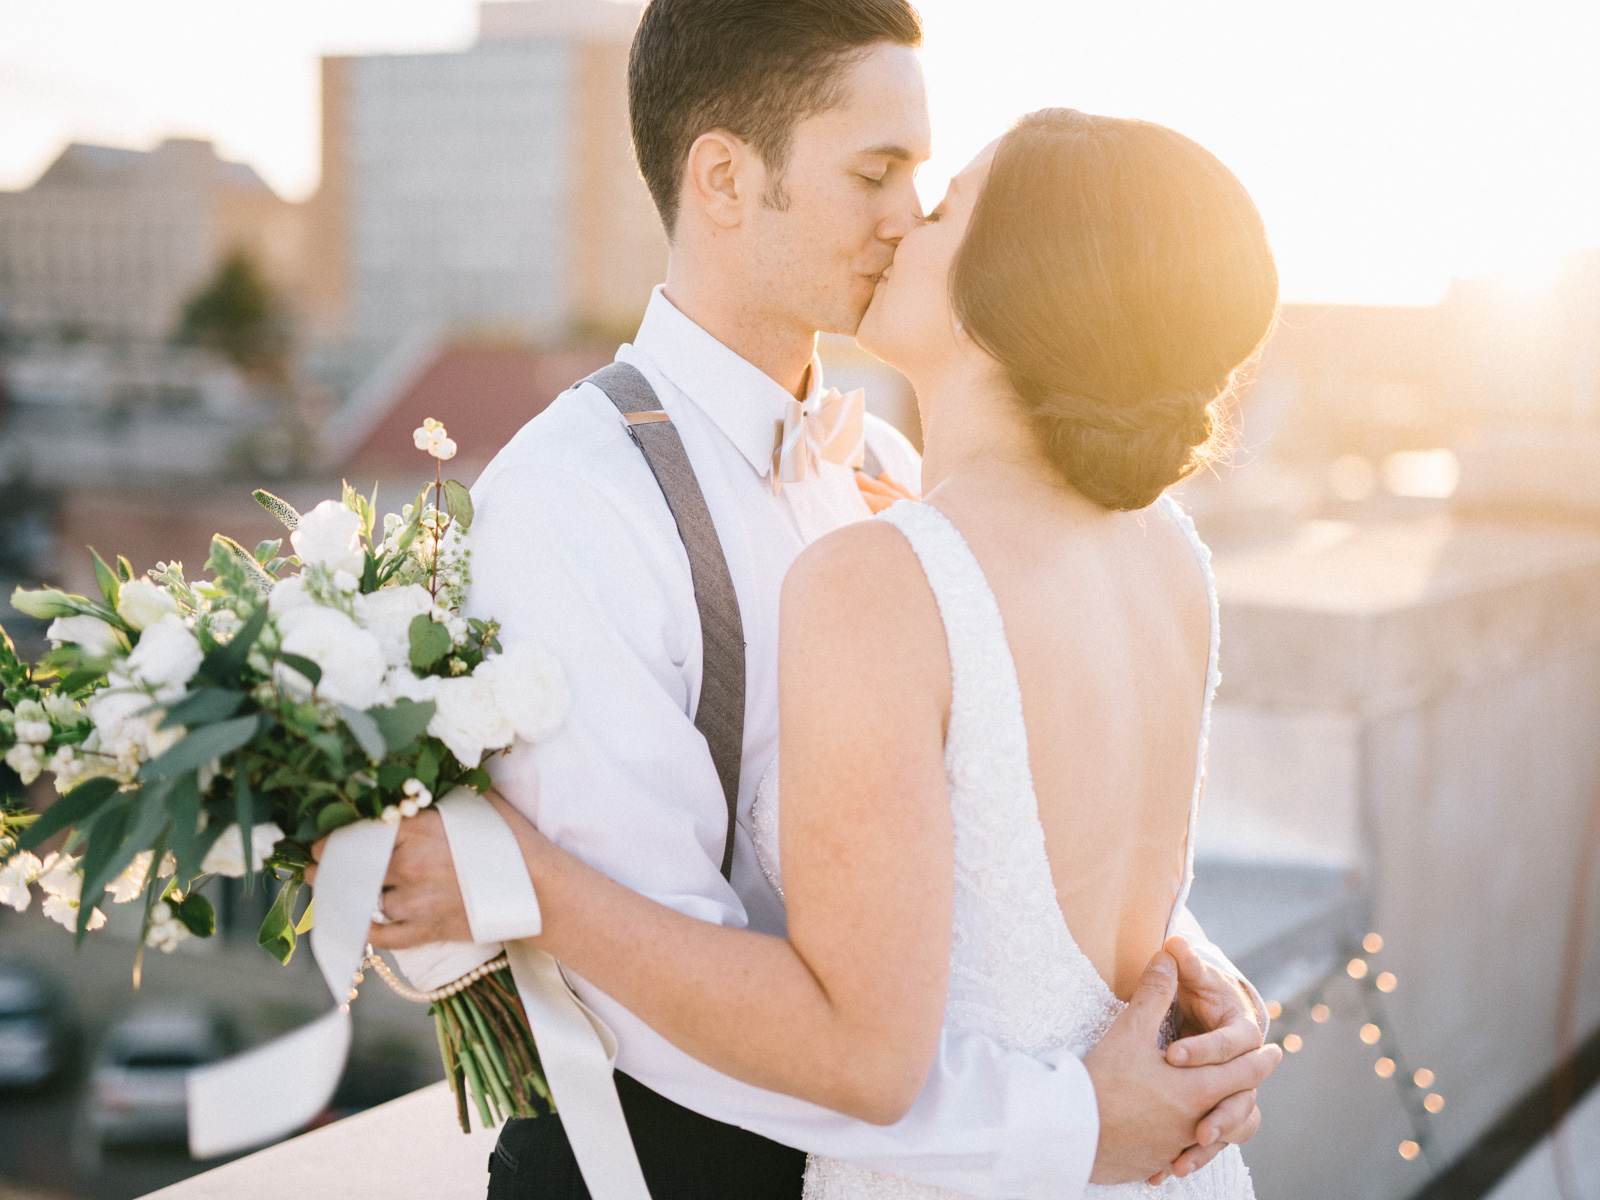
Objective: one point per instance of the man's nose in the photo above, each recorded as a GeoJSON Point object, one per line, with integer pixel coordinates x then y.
{"type": "Point", "coordinates": [903, 218]}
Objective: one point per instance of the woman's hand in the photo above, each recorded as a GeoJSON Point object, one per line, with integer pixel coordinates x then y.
{"type": "Point", "coordinates": [421, 895]}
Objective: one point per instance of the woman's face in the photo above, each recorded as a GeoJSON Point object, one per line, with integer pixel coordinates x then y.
{"type": "Point", "coordinates": [909, 323]}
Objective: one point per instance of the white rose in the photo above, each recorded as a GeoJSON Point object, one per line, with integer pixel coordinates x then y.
{"type": "Point", "coordinates": [330, 534]}
{"type": "Point", "coordinates": [289, 593]}
{"type": "Point", "coordinates": [388, 615]}
{"type": "Point", "coordinates": [91, 634]}
{"type": "Point", "coordinates": [350, 658]}
{"type": "Point", "coordinates": [24, 758]}
{"type": "Point", "coordinates": [16, 873]}
{"type": "Point", "coordinates": [166, 657]}
{"type": "Point", "coordinates": [126, 726]}
{"type": "Point", "coordinates": [226, 856]}
{"type": "Point", "coordinates": [529, 688]}
{"type": "Point", "coordinates": [468, 720]}
{"type": "Point", "coordinates": [142, 603]}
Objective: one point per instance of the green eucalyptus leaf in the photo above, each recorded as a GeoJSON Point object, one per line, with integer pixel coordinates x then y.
{"type": "Point", "coordinates": [189, 841]}
{"type": "Point", "coordinates": [81, 802]}
{"type": "Point", "coordinates": [304, 665]}
{"type": "Point", "coordinates": [459, 501]}
{"type": "Point", "coordinates": [244, 814]}
{"type": "Point", "coordinates": [430, 641]}
{"type": "Point", "coordinates": [266, 552]}
{"type": "Point", "coordinates": [203, 706]}
{"type": "Point", "coordinates": [223, 665]}
{"type": "Point", "coordinates": [366, 732]}
{"type": "Point", "coordinates": [336, 816]}
{"type": "Point", "coordinates": [403, 723]}
{"type": "Point", "coordinates": [200, 746]}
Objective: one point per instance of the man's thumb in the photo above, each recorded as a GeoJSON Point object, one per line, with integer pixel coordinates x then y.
{"type": "Point", "coordinates": [1158, 987]}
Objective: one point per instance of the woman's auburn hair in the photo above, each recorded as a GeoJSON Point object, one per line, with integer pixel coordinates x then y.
{"type": "Point", "coordinates": [1121, 276]}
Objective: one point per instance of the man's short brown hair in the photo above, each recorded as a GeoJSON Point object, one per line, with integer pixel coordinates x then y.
{"type": "Point", "coordinates": [752, 67]}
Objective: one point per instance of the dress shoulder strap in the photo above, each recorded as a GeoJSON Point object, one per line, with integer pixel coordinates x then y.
{"type": "Point", "coordinates": [720, 714]}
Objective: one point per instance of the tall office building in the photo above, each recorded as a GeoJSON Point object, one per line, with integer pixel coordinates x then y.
{"type": "Point", "coordinates": [487, 190]}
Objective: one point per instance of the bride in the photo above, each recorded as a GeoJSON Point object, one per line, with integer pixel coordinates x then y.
{"type": "Point", "coordinates": [994, 702]}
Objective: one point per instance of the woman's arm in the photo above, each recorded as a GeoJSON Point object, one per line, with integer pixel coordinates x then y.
{"type": "Point", "coordinates": [846, 1012]}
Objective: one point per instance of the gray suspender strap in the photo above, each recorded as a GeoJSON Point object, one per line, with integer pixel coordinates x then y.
{"type": "Point", "coordinates": [720, 715]}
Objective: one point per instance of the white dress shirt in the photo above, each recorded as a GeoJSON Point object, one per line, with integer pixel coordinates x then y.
{"type": "Point", "coordinates": [573, 547]}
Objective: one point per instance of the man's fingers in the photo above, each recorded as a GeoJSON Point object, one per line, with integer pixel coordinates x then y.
{"type": "Point", "coordinates": [1241, 1074]}
{"type": "Point", "coordinates": [1153, 996]}
{"type": "Point", "coordinates": [1226, 1119]}
{"type": "Point", "coordinates": [1195, 1157]}
{"type": "Point", "coordinates": [1220, 1045]}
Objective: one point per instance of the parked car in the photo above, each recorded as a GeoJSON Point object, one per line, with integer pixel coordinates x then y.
{"type": "Point", "coordinates": [33, 1031]}
{"type": "Point", "coordinates": [136, 1083]}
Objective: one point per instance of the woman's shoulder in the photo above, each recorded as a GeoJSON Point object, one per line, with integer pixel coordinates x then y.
{"type": "Point", "coordinates": [859, 593]}
{"type": "Point", "coordinates": [860, 563]}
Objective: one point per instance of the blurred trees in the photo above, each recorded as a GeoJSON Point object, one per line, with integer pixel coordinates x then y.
{"type": "Point", "coordinates": [242, 316]}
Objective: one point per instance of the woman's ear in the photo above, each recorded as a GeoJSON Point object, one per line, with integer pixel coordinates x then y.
{"type": "Point", "coordinates": [716, 177]}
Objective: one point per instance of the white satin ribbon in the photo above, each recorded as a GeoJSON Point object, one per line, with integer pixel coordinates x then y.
{"type": "Point", "coordinates": [576, 1049]}
{"type": "Point", "coordinates": [274, 1089]}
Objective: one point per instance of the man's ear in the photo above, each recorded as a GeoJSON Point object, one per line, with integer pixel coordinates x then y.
{"type": "Point", "coordinates": [719, 177]}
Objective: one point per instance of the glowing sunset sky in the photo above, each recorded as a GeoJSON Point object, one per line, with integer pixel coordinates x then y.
{"type": "Point", "coordinates": [1389, 145]}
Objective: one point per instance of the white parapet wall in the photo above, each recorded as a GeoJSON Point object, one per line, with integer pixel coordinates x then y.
{"type": "Point", "coordinates": [1417, 703]}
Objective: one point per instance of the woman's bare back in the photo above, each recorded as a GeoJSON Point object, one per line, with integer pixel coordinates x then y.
{"type": "Point", "coordinates": [1109, 623]}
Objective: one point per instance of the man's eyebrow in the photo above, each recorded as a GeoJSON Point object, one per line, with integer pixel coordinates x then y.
{"type": "Point", "coordinates": [899, 153]}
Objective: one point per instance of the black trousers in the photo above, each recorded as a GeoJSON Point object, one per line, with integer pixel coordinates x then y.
{"type": "Point", "coordinates": [684, 1155]}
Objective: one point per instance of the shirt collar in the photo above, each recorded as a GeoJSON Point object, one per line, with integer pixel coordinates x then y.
{"type": "Point", "coordinates": [740, 399]}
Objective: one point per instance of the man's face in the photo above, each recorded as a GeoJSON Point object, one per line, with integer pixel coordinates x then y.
{"type": "Point", "coordinates": [849, 187]}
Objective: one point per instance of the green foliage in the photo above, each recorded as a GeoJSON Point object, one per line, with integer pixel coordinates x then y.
{"type": "Point", "coordinates": [430, 642]}
{"type": "Point", "coordinates": [196, 913]}
{"type": "Point", "coordinates": [239, 314]}
{"type": "Point", "coordinates": [75, 808]}
{"type": "Point", "coordinates": [277, 936]}
{"type": "Point", "coordinates": [459, 501]}
{"type": "Point", "coordinates": [281, 509]}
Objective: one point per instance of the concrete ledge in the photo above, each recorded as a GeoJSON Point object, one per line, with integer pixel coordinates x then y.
{"type": "Point", "coordinates": [1376, 619]}
{"type": "Point", "coordinates": [408, 1149]}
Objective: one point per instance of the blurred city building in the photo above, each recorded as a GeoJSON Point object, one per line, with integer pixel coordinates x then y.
{"type": "Point", "coordinates": [490, 189]}
{"type": "Point", "coordinates": [109, 243]}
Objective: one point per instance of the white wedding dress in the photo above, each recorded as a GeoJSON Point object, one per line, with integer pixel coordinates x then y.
{"type": "Point", "coordinates": [1015, 971]}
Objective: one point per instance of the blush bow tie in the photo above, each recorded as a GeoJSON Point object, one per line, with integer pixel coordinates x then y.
{"type": "Point", "coordinates": [828, 427]}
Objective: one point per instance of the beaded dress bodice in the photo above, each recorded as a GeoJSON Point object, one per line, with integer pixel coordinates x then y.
{"type": "Point", "coordinates": [1016, 973]}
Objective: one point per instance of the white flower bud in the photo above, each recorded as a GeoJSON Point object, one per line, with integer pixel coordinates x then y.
{"type": "Point", "coordinates": [142, 603]}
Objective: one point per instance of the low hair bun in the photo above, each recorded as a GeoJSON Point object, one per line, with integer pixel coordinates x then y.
{"type": "Point", "coordinates": [1124, 455]}
{"type": "Point", "coordinates": [1120, 275]}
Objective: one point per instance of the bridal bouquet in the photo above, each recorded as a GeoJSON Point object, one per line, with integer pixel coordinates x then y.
{"type": "Point", "coordinates": [223, 726]}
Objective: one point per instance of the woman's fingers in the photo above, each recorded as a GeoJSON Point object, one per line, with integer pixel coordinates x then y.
{"type": "Point", "coordinates": [1229, 1121]}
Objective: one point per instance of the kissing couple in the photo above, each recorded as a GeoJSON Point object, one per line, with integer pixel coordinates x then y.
{"type": "Point", "coordinates": [955, 958]}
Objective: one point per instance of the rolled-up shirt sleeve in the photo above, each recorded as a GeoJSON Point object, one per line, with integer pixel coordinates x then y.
{"type": "Point", "coordinates": [580, 558]}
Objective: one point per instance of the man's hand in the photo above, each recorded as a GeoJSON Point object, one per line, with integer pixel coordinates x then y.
{"type": "Point", "coordinates": [1151, 1112]}
{"type": "Point", "coordinates": [882, 492]}
{"type": "Point", "coordinates": [421, 896]}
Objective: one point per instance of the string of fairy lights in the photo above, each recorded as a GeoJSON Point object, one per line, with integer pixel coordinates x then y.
{"type": "Point", "coordinates": [1414, 1085]}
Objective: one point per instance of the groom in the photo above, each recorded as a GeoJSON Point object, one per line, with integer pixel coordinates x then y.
{"type": "Point", "coordinates": [779, 140]}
